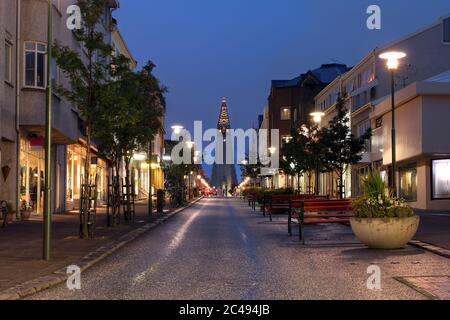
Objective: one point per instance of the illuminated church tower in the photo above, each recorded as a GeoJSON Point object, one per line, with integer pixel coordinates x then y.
{"type": "Point", "coordinates": [224, 175]}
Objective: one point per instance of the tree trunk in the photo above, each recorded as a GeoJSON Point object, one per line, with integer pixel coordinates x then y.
{"type": "Point", "coordinates": [341, 184]}
{"type": "Point", "coordinates": [309, 182]}
{"type": "Point", "coordinates": [85, 197]}
{"type": "Point", "coordinates": [127, 188]}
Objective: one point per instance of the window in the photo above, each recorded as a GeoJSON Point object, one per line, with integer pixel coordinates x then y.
{"type": "Point", "coordinates": [379, 122]}
{"type": "Point", "coordinates": [440, 179]}
{"type": "Point", "coordinates": [8, 64]}
{"type": "Point", "coordinates": [363, 128]}
{"type": "Point", "coordinates": [286, 113]}
{"type": "Point", "coordinates": [35, 64]}
{"type": "Point", "coordinates": [446, 34]}
{"type": "Point", "coordinates": [408, 182]}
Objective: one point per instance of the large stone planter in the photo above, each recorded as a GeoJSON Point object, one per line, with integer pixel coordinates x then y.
{"type": "Point", "coordinates": [385, 233]}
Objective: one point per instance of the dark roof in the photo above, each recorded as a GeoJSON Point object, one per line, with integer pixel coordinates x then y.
{"type": "Point", "coordinates": [285, 83]}
{"type": "Point", "coordinates": [328, 72]}
{"type": "Point", "coordinates": [325, 74]}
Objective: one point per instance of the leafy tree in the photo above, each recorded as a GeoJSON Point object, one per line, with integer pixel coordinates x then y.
{"type": "Point", "coordinates": [87, 71]}
{"type": "Point", "coordinates": [174, 179]}
{"type": "Point", "coordinates": [130, 113]}
{"type": "Point", "coordinates": [301, 155]}
{"type": "Point", "coordinates": [251, 170]}
{"type": "Point", "coordinates": [342, 148]}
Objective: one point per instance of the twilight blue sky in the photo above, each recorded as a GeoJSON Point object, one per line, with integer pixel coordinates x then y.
{"type": "Point", "coordinates": [208, 49]}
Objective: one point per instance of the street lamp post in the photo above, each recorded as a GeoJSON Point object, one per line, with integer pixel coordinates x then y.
{"type": "Point", "coordinates": [272, 151]}
{"type": "Point", "coordinates": [317, 118]}
{"type": "Point", "coordinates": [48, 141]}
{"type": "Point", "coordinates": [150, 195]}
{"type": "Point", "coordinates": [393, 61]}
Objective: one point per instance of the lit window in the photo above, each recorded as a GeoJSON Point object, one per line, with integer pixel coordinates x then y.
{"type": "Point", "coordinates": [446, 34]}
{"type": "Point", "coordinates": [35, 64]}
{"type": "Point", "coordinates": [8, 55]}
{"type": "Point", "coordinates": [285, 113]}
{"type": "Point", "coordinates": [441, 179]}
{"type": "Point", "coordinates": [408, 183]}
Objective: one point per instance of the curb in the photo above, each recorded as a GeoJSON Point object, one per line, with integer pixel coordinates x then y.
{"type": "Point", "coordinates": [46, 282]}
{"type": "Point", "coordinates": [431, 248]}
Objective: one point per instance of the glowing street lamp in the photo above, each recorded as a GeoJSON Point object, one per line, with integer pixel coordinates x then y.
{"type": "Point", "coordinates": [272, 150]}
{"type": "Point", "coordinates": [393, 61]}
{"type": "Point", "coordinates": [177, 129]}
{"type": "Point", "coordinates": [317, 116]}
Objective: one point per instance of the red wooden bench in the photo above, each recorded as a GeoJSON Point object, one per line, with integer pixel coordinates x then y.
{"type": "Point", "coordinates": [317, 212]}
{"type": "Point", "coordinates": [281, 202]}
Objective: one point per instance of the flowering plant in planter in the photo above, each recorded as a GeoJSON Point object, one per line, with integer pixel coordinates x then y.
{"type": "Point", "coordinates": [381, 220]}
{"type": "Point", "coordinates": [378, 201]}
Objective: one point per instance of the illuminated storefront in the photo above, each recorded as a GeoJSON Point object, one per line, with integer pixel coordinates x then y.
{"type": "Point", "coordinates": [76, 161]}
{"type": "Point", "coordinates": [32, 172]}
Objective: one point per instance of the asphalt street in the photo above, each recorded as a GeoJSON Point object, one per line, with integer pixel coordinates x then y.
{"type": "Point", "coordinates": [221, 249]}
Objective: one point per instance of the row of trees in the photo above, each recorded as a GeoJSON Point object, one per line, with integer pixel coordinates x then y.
{"type": "Point", "coordinates": [121, 108]}
{"type": "Point", "coordinates": [329, 149]}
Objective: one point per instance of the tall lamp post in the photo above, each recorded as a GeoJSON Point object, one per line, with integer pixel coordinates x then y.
{"type": "Point", "coordinates": [48, 141]}
{"type": "Point", "coordinates": [317, 118]}
{"type": "Point", "coordinates": [272, 151]}
{"type": "Point", "coordinates": [149, 163]}
{"type": "Point", "coordinates": [393, 61]}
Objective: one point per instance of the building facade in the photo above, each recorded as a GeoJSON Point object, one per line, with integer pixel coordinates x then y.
{"type": "Point", "coordinates": [289, 106]}
{"type": "Point", "coordinates": [9, 133]}
{"type": "Point", "coordinates": [23, 58]}
{"type": "Point", "coordinates": [368, 83]}
{"type": "Point", "coordinates": [423, 144]}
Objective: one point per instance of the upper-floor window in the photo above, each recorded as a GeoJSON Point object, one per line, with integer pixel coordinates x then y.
{"type": "Point", "coordinates": [286, 113]}
{"type": "Point", "coordinates": [8, 63]}
{"type": "Point", "coordinates": [379, 122]}
{"type": "Point", "coordinates": [446, 30]}
{"type": "Point", "coordinates": [35, 64]}
{"type": "Point", "coordinates": [362, 129]}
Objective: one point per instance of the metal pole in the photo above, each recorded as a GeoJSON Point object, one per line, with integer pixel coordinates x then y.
{"type": "Point", "coordinates": [48, 142]}
{"type": "Point", "coordinates": [394, 155]}
{"type": "Point", "coordinates": [150, 198]}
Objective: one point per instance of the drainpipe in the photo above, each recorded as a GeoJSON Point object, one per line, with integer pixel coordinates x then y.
{"type": "Point", "coordinates": [18, 60]}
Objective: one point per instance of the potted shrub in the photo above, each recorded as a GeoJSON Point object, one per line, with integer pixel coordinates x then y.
{"type": "Point", "coordinates": [25, 211]}
{"type": "Point", "coordinates": [7, 212]}
{"type": "Point", "coordinates": [382, 221]}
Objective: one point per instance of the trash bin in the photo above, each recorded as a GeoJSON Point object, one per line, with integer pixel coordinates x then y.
{"type": "Point", "coordinates": [160, 201]}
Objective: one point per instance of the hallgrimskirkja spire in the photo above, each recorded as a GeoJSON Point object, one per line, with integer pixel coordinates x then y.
{"type": "Point", "coordinates": [224, 175]}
